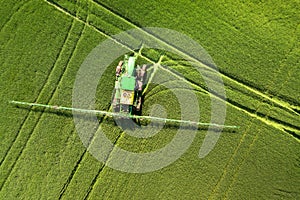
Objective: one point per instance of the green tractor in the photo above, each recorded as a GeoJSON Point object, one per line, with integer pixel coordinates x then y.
{"type": "Point", "coordinates": [127, 96]}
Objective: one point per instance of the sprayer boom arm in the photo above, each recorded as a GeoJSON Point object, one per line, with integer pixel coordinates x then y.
{"type": "Point", "coordinates": [113, 114]}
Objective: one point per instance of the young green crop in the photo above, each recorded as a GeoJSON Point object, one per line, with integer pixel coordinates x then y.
{"type": "Point", "coordinates": [42, 49]}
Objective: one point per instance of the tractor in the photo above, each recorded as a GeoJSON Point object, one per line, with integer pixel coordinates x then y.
{"type": "Point", "coordinates": [128, 91]}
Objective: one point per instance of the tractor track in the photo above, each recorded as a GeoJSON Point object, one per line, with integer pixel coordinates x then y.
{"type": "Point", "coordinates": [66, 184]}
{"type": "Point", "coordinates": [51, 97]}
{"type": "Point", "coordinates": [114, 144]}
{"type": "Point", "coordinates": [21, 150]}
{"type": "Point", "coordinates": [232, 157]}
{"type": "Point", "coordinates": [14, 139]}
{"type": "Point", "coordinates": [6, 23]}
{"type": "Point", "coordinates": [86, 196]}
{"type": "Point", "coordinates": [100, 170]}
{"type": "Point", "coordinates": [50, 71]}
{"type": "Point", "coordinates": [239, 82]}
{"type": "Point", "coordinates": [290, 130]}
{"type": "Point", "coordinates": [178, 76]}
{"type": "Point", "coordinates": [242, 139]}
{"type": "Point", "coordinates": [13, 14]}
{"type": "Point", "coordinates": [62, 191]}
{"type": "Point", "coordinates": [39, 92]}
{"type": "Point", "coordinates": [230, 160]}
{"type": "Point", "coordinates": [235, 173]}
{"type": "Point", "coordinates": [75, 168]}
{"type": "Point", "coordinates": [164, 90]}
{"type": "Point", "coordinates": [262, 117]}
{"type": "Point", "coordinates": [237, 168]}
{"type": "Point", "coordinates": [256, 112]}
{"type": "Point", "coordinates": [250, 110]}
{"type": "Point", "coordinates": [94, 181]}
{"type": "Point", "coordinates": [225, 75]}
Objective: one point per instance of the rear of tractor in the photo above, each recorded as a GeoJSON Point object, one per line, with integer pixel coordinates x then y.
{"type": "Point", "coordinates": [128, 90]}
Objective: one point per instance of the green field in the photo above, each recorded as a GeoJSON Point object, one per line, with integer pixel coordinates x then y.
{"type": "Point", "coordinates": [256, 46]}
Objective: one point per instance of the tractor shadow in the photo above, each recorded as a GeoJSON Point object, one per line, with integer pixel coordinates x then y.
{"type": "Point", "coordinates": [126, 124]}
{"type": "Point", "coordinates": [46, 110]}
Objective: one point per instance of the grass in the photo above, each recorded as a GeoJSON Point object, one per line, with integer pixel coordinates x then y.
{"type": "Point", "coordinates": [42, 49]}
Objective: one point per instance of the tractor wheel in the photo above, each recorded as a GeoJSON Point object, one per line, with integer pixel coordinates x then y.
{"type": "Point", "coordinates": [139, 103]}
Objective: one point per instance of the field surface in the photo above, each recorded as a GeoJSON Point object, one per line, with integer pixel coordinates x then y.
{"type": "Point", "coordinates": [254, 44]}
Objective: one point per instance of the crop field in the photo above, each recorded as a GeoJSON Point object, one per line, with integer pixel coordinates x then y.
{"type": "Point", "coordinates": [254, 44]}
